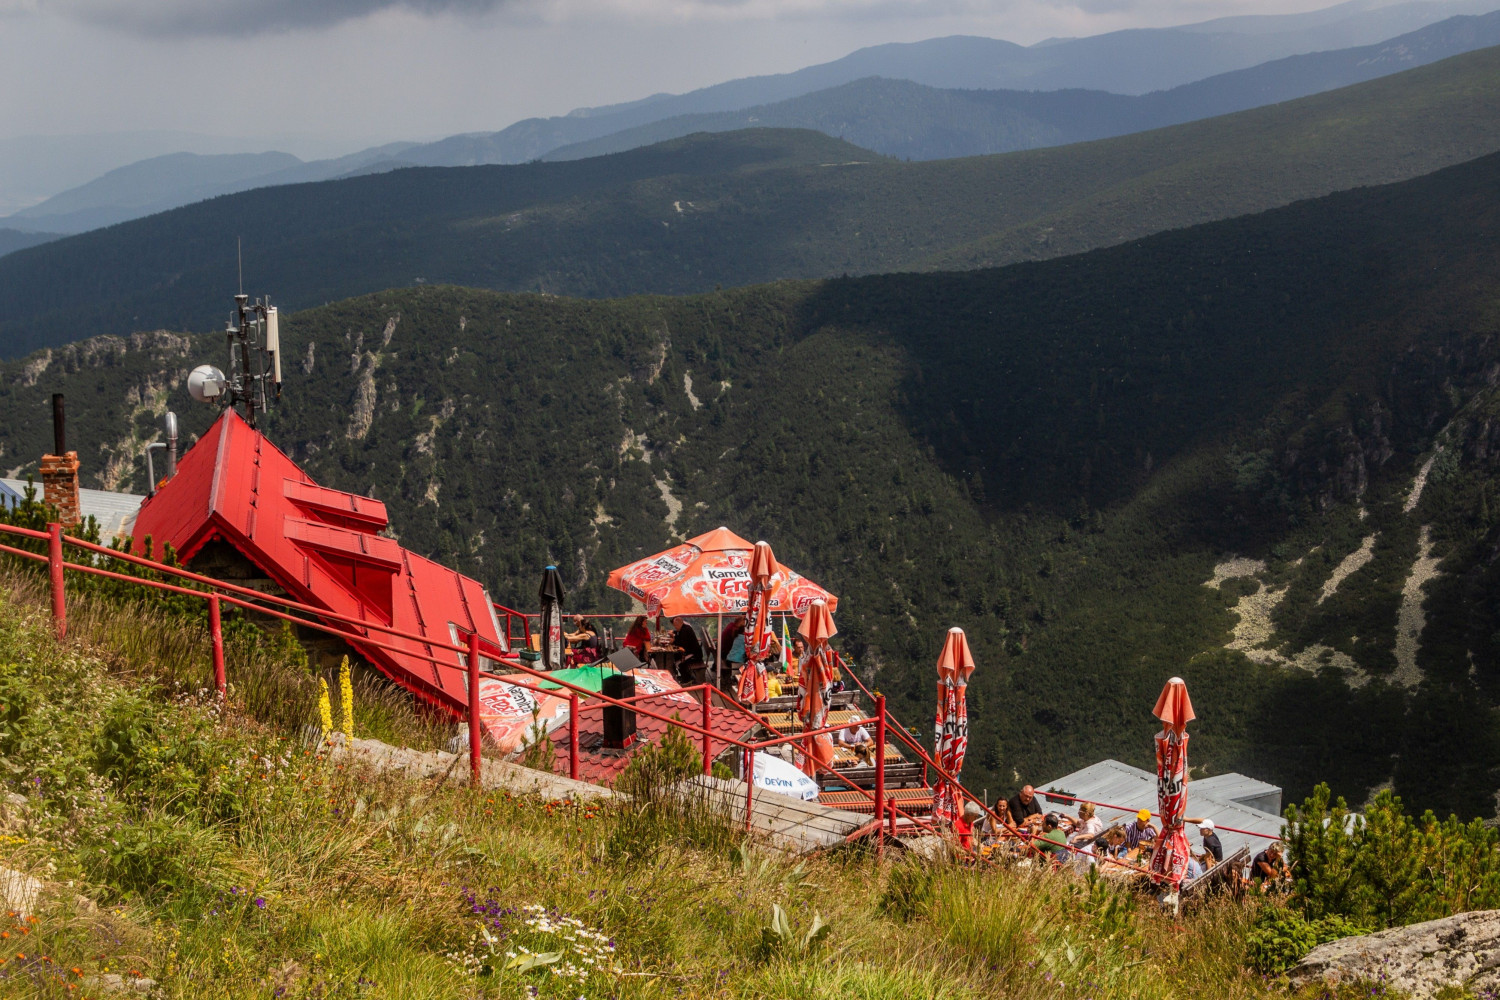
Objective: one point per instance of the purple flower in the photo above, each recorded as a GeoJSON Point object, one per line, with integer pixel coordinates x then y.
{"type": "Point", "coordinates": [260, 904]}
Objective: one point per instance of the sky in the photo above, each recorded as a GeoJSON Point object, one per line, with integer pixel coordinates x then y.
{"type": "Point", "coordinates": [322, 77]}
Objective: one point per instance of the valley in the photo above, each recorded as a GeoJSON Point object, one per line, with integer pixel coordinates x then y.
{"type": "Point", "coordinates": [1056, 455]}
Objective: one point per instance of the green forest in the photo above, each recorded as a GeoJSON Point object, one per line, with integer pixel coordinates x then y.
{"type": "Point", "coordinates": [729, 209]}
{"type": "Point", "coordinates": [1054, 455]}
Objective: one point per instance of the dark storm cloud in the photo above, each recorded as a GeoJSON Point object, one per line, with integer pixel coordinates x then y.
{"type": "Point", "coordinates": [222, 17]}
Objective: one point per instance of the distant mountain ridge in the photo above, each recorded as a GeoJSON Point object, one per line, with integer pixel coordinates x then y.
{"type": "Point", "coordinates": [741, 207]}
{"type": "Point", "coordinates": [905, 119]}
{"type": "Point", "coordinates": [1135, 61]}
{"type": "Point", "coordinates": [974, 106]}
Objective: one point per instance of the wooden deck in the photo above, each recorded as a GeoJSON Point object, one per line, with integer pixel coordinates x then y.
{"type": "Point", "coordinates": [788, 823]}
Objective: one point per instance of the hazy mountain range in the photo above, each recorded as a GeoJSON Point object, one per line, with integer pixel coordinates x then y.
{"type": "Point", "coordinates": [739, 207]}
{"type": "Point", "coordinates": [959, 96]}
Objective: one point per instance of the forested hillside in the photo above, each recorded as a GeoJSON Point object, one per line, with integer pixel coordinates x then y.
{"type": "Point", "coordinates": [734, 208]}
{"type": "Point", "coordinates": [1057, 456]}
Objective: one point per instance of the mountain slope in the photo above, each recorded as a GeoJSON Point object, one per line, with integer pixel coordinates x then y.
{"type": "Point", "coordinates": [166, 182]}
{"type": "Point", "coordinates": [13, 239]}
{"type": "Point", "coordinates": [909, 120]}
{"type": "Point", "coordinates": [1124, 62]}
{"type": "Point", "coordinates": [1057, 456]}
{"type": "Point", "coordinates": [740, 207]}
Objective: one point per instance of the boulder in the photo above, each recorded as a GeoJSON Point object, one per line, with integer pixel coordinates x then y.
{"type": "Point", "coordinates": [1421, 959]}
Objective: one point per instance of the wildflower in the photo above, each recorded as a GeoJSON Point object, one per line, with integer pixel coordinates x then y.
{"type": "Point", "coordinates": [346, 697]}
{"type": "Point", "coordinates": [325, 709]}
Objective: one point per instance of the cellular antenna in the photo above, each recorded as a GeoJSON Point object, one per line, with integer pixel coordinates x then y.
{"type": "Point", "coordinates": [252, 379]}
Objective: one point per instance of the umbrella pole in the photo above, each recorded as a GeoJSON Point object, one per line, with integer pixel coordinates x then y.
{"type": "Point", "coordinates": [719, 654]}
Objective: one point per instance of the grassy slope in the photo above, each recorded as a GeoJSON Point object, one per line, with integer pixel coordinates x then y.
{"type": "Point", "coordinates": [735, 208]}
{"type": "Point", "coordinates": [234, 863]}
{"type": "Point", "coordinates": [1053, 455]}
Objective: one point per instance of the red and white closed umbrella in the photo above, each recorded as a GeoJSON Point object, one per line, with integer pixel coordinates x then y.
{"type": "Point", "coordinates": [951, 734]}
{"type": "Point", "coordinates": [817, 686]}
{"type": "Point", "coordinates": [758, 632]}
{"type": "Point", "coordinates": [1175, 710]}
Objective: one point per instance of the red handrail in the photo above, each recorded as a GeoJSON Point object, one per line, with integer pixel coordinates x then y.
{"type": "Point", "coordinates": [253, 600]}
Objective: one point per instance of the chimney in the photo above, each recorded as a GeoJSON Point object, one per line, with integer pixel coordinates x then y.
{"type": "Point", "coordinates": [60, 470]}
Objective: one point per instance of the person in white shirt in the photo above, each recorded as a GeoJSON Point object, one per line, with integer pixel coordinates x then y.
{"type": "Point", "coordinates": [857, 739]}
{"type": "Point", "coordinates": [1085, 830]}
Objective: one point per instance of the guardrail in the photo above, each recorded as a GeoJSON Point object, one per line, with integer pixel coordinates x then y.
{"type": "Point", "coordinates": [357, 632]}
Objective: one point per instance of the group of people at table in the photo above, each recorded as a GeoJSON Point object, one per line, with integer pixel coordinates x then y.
{"type": "Point", "coordinates": [684, 654]}
{"type": "Point", "coordinates": [1085, 840]}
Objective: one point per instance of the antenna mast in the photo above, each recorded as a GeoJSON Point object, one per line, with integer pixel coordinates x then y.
{"type": "Point", "coordinates": [254, 341]}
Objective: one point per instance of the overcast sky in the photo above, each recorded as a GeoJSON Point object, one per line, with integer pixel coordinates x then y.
{"type": "Point", "coordinates": [331, 75]}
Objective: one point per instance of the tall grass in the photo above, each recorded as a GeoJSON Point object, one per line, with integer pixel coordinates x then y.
{"type": "Point", "coordinates": [232, 861]}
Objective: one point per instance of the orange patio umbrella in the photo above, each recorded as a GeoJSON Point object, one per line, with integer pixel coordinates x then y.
{"type": "Point", "coordinates": [817, 681]}
{"type": "Point", "coordinates": [951, 738]}
{"type": "Point", "coordinates": [710, 575]}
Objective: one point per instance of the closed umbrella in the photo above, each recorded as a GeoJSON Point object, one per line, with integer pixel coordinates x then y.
{"type": "Point", "coordinates": [758, 633]}
{"type": "Point", "coordinates": [551, 593]}
{"type": "Point", "coordinates": [1175, 710]}
{"type": "Point", "coordinates": [817, 686]}
{"type": "Point", "coordinates": [951, 735]}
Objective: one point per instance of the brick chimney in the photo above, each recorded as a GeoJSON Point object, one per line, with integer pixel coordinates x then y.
{"type": "Point", "coordinates": [60, 470]}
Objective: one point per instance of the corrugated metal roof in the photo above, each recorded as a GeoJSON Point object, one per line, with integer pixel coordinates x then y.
{"type": "Point", "coordinates": [1132, 789]}
{"type": "Point", "coordinates": [1243, 789]}
{"type": "Point", "coordinates": [320, 545]}
{"type": "Point", "coordinates": [115, 512]}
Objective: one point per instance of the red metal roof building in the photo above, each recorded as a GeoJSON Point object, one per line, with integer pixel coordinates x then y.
{"type": "Point", "coordinates": [323, 548]}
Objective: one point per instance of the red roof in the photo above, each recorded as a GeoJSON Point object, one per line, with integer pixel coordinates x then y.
{"type": "Point", "coordinates": [602, 766]}
{"type": "Point", "coordinates": [321, 546]}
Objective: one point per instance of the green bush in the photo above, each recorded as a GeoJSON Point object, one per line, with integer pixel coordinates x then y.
{"type": "Point", "coordinates": [1281, 937]}
{"type": "Point", "coordinates": [1384, 868]}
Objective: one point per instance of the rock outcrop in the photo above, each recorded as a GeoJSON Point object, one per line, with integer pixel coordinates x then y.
{"type": "Point", "coordinates": [1421, 959]}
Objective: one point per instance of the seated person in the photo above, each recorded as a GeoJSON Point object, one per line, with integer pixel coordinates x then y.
{"type": "Point", "coordinates": [1268, 869]}
{"type": "Point", "coordinates": [638, 639]}
{"type": "Point", "coordinates": [686, 639]}
{"type": "Point", "coordinates": [1212, 848]}
{"type": "Point", "coordinates": [1053, 841]}
{"type": "Point", "coordinates": [991, 828]}
{"type": "Point", "coordinates": [735, 627]}
{"type": "Point", "coordinates": [1195, 870]}
{"type": "Point", "coordinates": [1140, 832]}
{"type": "Point", "coordinates": [858, 740]}
{"type": "Point", "coordinates": [794, 659]}
{"type": "Point", "coordinates": [1024, 805]}
{"type": "Point", "coordinates": [773, 686]}
{"type": "Point", "coordinates": [1110, 843]}
{"type": "Point", "coordinates": [584, 641]}
{"type": "Point", "coordinates": [1086, 829]}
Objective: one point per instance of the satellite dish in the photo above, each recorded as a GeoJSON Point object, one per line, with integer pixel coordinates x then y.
{"type": "Point", "coordinates": [206, 384]}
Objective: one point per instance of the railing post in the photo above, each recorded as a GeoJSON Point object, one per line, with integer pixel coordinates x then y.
{"type": "Point", "coordinates": [474, 735]}
{"type": "Point", "coordinates": [879, 755]}
{"type": "Point", "coordinates": [216, 633]}
{"type": "Point", "coordinates": [708, 754]}
{"type": "Point", "coordinates": [55, 566]}
{"type": "Point", "coordinates": [892, 811]}
{"type": "Point", "coordinates": [749, 785]}
{"type": "Point", "coordinates": [573, 735]}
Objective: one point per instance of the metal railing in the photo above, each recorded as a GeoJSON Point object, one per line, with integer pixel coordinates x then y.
{"type": "Point", "coordinates": [358, 633]}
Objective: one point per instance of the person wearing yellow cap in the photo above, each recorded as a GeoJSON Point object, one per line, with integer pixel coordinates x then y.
{"type": "Point", "coordinates": [1140, 832]}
